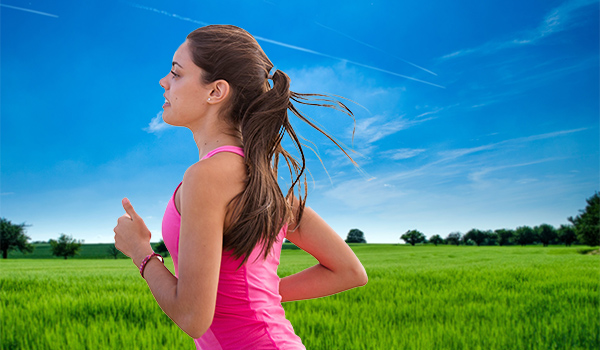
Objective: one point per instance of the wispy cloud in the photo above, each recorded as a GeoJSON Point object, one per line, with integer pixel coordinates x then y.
{"type": "Point", "coordinates": [456, 153]}
{"type": "Point", "coordinates": [156, 124]}
{"type": "Point", "coordinates": [519, 79]}
{"type": "Point", "coordinates": [29, 10]}
{"type": "Point", "coordinates": [526, 80]}
{"type": "Point", "coordinates": [481, 183]}
{"type": "Point", "coordinates": [546, 135]}
{"type": "Point", "coordinates": [294, 47]}
{"type": "Point", "coordinates": [557, 20]}
{"type": "Point", "coordinates": [477, 176]}
{"type": "Point", "coordinates": [375, 128]}
{"type": "Point", "coordinates": [402, 153]}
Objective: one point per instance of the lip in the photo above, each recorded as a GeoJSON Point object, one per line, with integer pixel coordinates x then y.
{"type": "Point", "coordinates": [167, 103]}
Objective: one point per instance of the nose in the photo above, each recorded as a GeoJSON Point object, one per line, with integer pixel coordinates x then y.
{"type": "Point", "coordinates": [164, 82]}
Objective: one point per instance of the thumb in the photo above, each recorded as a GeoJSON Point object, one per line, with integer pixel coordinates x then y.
{"type": "Point", "coordinates": [129, 208]}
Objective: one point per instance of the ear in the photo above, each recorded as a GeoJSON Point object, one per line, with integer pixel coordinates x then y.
{"type": "Point", "coordinates": [220, 91]}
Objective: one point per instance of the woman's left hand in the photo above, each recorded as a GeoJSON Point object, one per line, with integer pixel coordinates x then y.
{"type": "Point", "coordinates": [132, 237]}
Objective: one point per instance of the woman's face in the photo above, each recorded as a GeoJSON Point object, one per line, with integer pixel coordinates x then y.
{"type": "Point", "coordinates": [185, 95]}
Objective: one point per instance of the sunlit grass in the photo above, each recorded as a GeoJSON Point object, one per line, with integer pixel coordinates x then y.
{"type": "Point", "coordinates": [424, 297]}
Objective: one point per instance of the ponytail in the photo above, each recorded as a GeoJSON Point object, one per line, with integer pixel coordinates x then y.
{"type": "Point", "coordinates": [260, 114]}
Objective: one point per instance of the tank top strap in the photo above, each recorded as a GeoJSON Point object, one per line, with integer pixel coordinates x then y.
{"type": "Point", "coordinates": [233, 149]}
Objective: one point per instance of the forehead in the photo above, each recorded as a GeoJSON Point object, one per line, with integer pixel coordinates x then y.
{"type": "Point", "coordinates": [182, 55]}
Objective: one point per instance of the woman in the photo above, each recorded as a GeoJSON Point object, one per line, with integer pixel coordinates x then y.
{"type": "Point", "coordinates": [227, 219]}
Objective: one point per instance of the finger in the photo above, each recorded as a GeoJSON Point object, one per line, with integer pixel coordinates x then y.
{"type": "Point", "coordinates": [129, 208]}
{"type": "Point", "coordinates": [123, 219]}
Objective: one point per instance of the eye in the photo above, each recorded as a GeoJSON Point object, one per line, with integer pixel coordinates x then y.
{"type": "Point", "coordinates": [175, 75]}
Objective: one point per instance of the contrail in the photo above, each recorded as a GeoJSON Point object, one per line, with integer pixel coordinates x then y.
{"type": "Point", "coordinates": [293, 47]}
{"type": "Point", "coordinates": [375, 48]}
{"type": "Point", "coordinates": [168, 14]}
{"type": "Point", "coordinates": [28, 10]}
{"type": "Point", "coordinates": [344, 60]}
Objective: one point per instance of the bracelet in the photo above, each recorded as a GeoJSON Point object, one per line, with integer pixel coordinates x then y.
{"type": "Point", "coordinates": [146, 259]}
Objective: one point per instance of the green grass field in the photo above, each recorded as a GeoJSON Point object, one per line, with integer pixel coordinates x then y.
{"type": "Point", "coordinates": [422, 297]}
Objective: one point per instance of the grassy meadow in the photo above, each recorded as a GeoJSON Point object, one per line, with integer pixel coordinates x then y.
{"type": "Point", "coordinates": [421, 297]}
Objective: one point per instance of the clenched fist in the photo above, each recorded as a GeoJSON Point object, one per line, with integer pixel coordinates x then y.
{"type": "Point", "coordinates": [132, 237]}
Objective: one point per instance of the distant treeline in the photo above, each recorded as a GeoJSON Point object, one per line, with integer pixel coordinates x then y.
{"type": "Point", "coordinates": [544, 234]}
{"type": "Point", "coordinates": [584, 229]}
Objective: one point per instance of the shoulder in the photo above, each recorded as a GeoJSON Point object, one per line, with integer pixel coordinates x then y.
{"type": "Point", "coordinates": [295, 204]}
{"type": "Point", "coordinates": [223, 174]}
{"type": "Point", "coordinates": [221, 166]}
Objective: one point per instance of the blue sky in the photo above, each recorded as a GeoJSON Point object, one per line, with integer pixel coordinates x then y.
{"type": "Point", "coordinates": [469, 114]}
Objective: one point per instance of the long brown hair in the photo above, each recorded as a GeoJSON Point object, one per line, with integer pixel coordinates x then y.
{"type": "Point", "coordinates": [258, 114]}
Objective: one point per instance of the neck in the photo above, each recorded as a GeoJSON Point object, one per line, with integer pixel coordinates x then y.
{"type": "Point", "coordinates": [212, 135]}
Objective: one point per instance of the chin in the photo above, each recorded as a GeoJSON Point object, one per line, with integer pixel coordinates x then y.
{"type": "Point", "coordinates": [168, 120]}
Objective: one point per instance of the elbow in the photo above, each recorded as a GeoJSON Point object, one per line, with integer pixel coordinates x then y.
{"type": "Point", "coordinates": [359, 276]}
{"type": "Point", "coordinates": [196, 332]}
{"type": "Point", "coordinates": [195, 327]}
{"type": "Point", "coordinates": [362, 278]}
{"type": "Point", "coordinates": [354, 276]}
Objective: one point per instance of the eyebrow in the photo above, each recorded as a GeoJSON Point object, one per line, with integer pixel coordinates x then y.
{"type": "Point", "coordinates": [175, 63]}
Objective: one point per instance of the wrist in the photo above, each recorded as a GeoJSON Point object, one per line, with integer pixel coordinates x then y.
{"type": "Point", "coordinates": [149, 257]}
{"type": "Point", "coordinates": [141, 255]}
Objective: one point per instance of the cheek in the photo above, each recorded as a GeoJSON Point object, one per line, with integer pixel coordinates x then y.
{"type": "Point", "coordinates": [183, 110]}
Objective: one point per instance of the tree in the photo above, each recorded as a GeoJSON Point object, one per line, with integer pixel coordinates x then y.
{"type": "Point", "coordinates": [413, 237]}
{"type": "Point", "coordinates": [546, 233]}
{"type": "Point", "coordinates": [476, 235]}
{"type": "Point", "coordinates": [65, 246]}
{"type": "Point", "coordinates": [13, 237]}
{"type": "Point", "coordinates": [505, 236]}
{"type": "Point", "coordinates": [436, 239]}
{"type": "Point", "coordinates": [491, 237]}
{"type": "Point", "coordinates": [566, 234]}
{"type": "Point", "coordinates": [587, 224]}
{"type": "Point", "coordinates": [356, 236]}
{"type": "Point", "coordinates": [113, 251]}
{"type": "Point", "coordinates": [454, 238]}
{"type": "Point", "coordinates": [161, 248]}
{"type": "Point", "coordinates": [524, 235]}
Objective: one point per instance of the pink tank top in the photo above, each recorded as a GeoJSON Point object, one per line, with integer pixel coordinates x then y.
{"type": "Point", "coordinates": [248, 312]}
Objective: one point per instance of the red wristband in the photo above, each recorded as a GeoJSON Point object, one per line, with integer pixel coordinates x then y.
{"type": "Point", "coordinates": [146, 259]}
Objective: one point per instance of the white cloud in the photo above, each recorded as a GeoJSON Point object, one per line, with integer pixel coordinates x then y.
{"type": "Point", "coordinates": [456, 153]}
{"type": "Point", "coordinates": [477, 176]}
{"type": "Point", "coordinates": [341, 80]}
{"type": "Point", "coordinates": [546, 135]}
{"type": "Point", "coordinates": [402, 153]}
{"type": "Point", "coordinates": [156, 124]}
{"type": "Point", "coordinates": [557, 20]}
{"type": "Point", "coordinates": [375, 128]}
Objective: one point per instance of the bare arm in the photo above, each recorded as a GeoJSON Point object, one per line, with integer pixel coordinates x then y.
{"type": "Point", "coordinates": [190, 299]}
{"type": "Point", "coordinates": [339, 269]}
